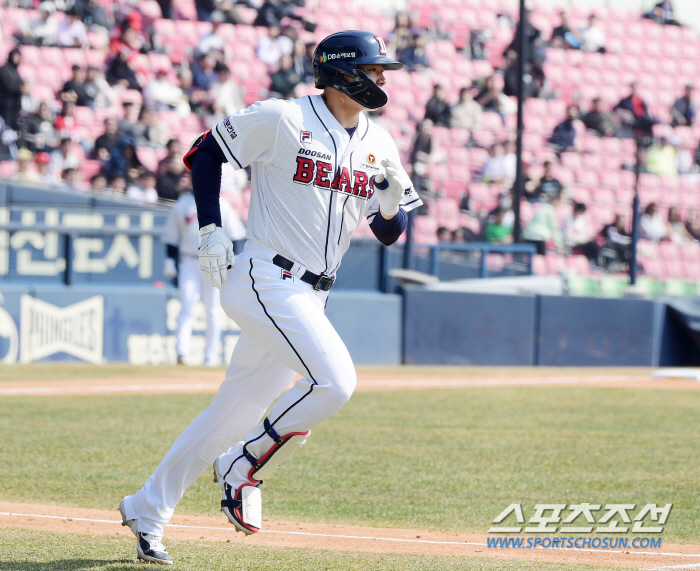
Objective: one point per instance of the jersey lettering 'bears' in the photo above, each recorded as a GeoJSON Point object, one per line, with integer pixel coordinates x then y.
{"type": "Point", "coordinates": [307, 168]}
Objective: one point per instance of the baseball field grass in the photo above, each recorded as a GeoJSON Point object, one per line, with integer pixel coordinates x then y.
{"type": "Point", "coordinates": [29, 550]}
{"type": "Point", "coordinates": [449, 459]}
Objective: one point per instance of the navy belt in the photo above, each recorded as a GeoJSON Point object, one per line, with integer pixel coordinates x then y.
{"type": "Point", "coordinates": [320, 283]}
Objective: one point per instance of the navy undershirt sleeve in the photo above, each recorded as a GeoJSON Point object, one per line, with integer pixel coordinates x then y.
{"type": "Point", "coordinates": [171, 251]}
{"type": "Point", "coordinates": [206, 181]}
{"type": "Point", "coordinates": [388, 231]}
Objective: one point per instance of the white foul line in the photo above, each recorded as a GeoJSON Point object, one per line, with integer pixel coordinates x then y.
{"type": "Point", "coordinates": [373, 537]}
{"type": "Point", "coordinates": [689, 566]}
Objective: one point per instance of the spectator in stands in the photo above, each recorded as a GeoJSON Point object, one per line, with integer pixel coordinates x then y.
{"type": "Point", "coordinates": [466, 113]}
{"type": "Point", "coordinates": [599, 121]}
{"type": "Point", "coordinates": [663, 14]}
{"type": "Point", "coordinates": [424, 148]}
{"type": "Point", "coordinates": [38, 132]}
{"type": "Point", "coordinates": [661, 159]}
{"type": "Point", "coordinates": [128, 37]}
{"type": "Point", "coordinates": [162, 95]}
{"type": "Point", "coordinates": [107, 141]}
{"type": "Point", "coordinates": [651, 225]}
{"type": "Point", "coordinates": [70, 179]}
{"type": "Point", "coordinates": [10, 89]}
{"type": "Point", "coordinates": [444, 236]}
{"type": "Point", "coordinates": [24, 174]}
{"type": "Point", "coordinates": [489, 96]}
{"type": "Point", "coordinates": [543, 227]}
{"type": "Point", "coordinates": [205, 9]}
{"type": "Point", "coordinates": [273, 46]}
{"type": "Point", "coordinates": [145, 189]}
{"type": "Point", "coordinates": [272, 12]}
{"type": "Point", "coordinates": [98, 182]}
{"type": "Point", "coordinates": [693, 224]}
{"type": "Point", "coordinates": [169, 182]}
{"type": "Point", "coordinates": [683, 110]}
{"type": "Point", "coordinates": [505, 203]}
{"type": "Point", "coordinates": [62, 158]}
{"type": "Point", "coordinates": [437, 109]}
{"type": "Point", "coordinates": [677, 232]}
{"type": "Point", "coordinates": [150, 130]}
{"type": "Point", "coordinates": [76, 85]}
{"type": "Point", "coordinates": [116, 183]}
{"type": "Point", "coordinates": [174, 149]}
{"type": "Point", "coordinates": [403, 32]}
{"type": "Point", "coordinates": [71, 31]}
{"type": "Point", "coordinates": [66, 125]}
{"type": "Point", "coordinates": [616, 249]}
{"type": "Point", "coordinates": [501, 165]}
{"type": "Point", "coordinates": [95, 17]}
{"type": "Point", "coordinates": [127, 124]}
{"type": "Point", "coordinates": [564, 36]}
{"type": "Point", "coordinates": [121, 72]}
{"type": "Point", "coordinates": [123, 161]}
{"type": "Point", "coordinates": [684, 160]}
{"type": "Point", "coordinates": [496, 230]}
{"type": "Point", "coordinates": [413, 56]}
{"type": "Point", "coordinates": [97, 88]}
{"type": "Point", "coordinates": [213, 43]}
{"type": "Point", "coordinates": [535, 45]}
{"type": "Point", "coordinates": [578, 234]}
{"type": "Point", "coordinates": [634, 114]}
{"type": "Point", "coordinates": [547, 184]}
{"type": "Point", "coordinates": [285, 79]}
{"type": "Point", "coordinates": [226, 95]}
{"type": "Point", "coordinates": [593, 36]}
{"type": "Point", "coordinates": [228, 9]}
{"type": "Point", "coordinates": [563, 137]}
{"type": "Point", "coordinates": [307, 71]}
{"type": "Point", "coordinates": [43, 30]}
{"type": "Point", "coordinates": [205, 75]}
{"type": "Point", "coordinates": [533, 80]}
{"type": "Point", "coordinates": [196, 97]}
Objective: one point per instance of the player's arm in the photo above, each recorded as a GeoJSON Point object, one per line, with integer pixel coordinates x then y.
{"type": "Point", "coordinates": [204, 159]}
{"type": "Point", "coordinates": [171, 237]}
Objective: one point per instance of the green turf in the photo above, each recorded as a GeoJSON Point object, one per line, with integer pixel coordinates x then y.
{"type": "Point", "coordinates": [448, 459]}
{"type": "Point", "coordinates": [22, 550]}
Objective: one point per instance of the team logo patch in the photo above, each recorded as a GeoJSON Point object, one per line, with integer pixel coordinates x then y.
{"type": "Point", "coordinates": [371, 159]}
{"type": "Point", "coordinates": [382, 45]}
{"type": "Point", "coordinates": [230, 129]}
{"type": "Point", "coordinates": [285, 275]}
{"type": "Point", "coordinates": [305, 136]}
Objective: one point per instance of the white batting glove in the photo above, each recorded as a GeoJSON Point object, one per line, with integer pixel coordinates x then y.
{"type": "Point", "coordinates": [390, 197]}
{"type": "Point", "coordinates": [169, 268]}
{"type": "Point", "coordinates": [215, 254]}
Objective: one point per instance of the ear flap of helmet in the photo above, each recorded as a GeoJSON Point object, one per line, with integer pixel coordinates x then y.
{"type": "Point", "coordinates": [365, 91]}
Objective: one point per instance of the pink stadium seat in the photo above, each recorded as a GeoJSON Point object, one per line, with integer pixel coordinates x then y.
{"type": "Point", "coordinates": [7, 168]}
{"type": "Point", "coordinates": [690, 252]}
{"type": "Point", "coordinates": [579, 264]}
{"type": "Point", "coordinates": [539, 265]}
{"type": "Point", "coordinates": [555, 263]}
{"type": "Point", "coordinates": [669, 251]}
{"type": "Point", "coordinates": [653, 267]}
{"type": "Point", "coordinates": [691, 270]}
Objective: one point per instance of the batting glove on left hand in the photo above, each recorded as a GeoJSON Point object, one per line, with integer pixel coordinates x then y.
{"type": "Point", "coordinates": [215, 254]}
{"type": "Point", "coordinates": [390, 196]}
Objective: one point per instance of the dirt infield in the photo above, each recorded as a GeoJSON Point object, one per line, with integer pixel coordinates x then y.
{"type": "Point", "coordinates": [208, 381]}
{"type": "Point", "coordinates": [339, 537]}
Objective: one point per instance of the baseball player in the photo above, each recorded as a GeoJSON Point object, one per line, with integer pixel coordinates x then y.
{"type": "Point", "coordinates": [181, 236]}
{"type": "Point", "coordinates": [318, 166]}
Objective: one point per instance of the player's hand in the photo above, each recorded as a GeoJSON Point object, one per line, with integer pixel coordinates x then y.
{"type": "Point", "coordinates": [169, 268]}
{"type": "Point", "coordinates": [390, 197]}
{"type": "Point", "coordinates": [215, 254]}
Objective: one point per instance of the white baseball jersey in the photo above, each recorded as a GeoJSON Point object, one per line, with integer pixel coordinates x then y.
{"type": "Point", "coordinates": [311, 182]}
{"type": "Point", "coordinates": [182, 227]}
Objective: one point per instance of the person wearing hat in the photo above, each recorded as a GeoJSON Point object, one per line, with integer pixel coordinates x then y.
{"type": "Point", "coordinates": [23, 174]}
{"type": "Point", "coordinates": [42, 161]}
{"type": "Point", "coordinates": [683, 110]}
{"type": "Point", "coordinates": [43, 30]}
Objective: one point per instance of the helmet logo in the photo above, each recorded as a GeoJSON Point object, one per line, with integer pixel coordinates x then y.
{"type": "Point", "coordinates": [382, 45]}
{"type": "Point", "coordinates": [324, 58]}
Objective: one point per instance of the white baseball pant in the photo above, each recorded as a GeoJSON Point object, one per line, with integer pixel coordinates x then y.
{"type": "Point", "coordinates": [192, 285]}
{"type": "Point", "coordinates": [284, 332]}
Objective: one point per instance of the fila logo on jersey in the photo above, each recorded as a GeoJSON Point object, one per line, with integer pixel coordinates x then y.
{"type": "Point", "coordinates": [305, 136]}
{"type": "Point", "coordinates": [318, 173]}
{"type": "Point", "coordinates": [382, 45]}
{"type": "Point", "coordinates": [285, 275]}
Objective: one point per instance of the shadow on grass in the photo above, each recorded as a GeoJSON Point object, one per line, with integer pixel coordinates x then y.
{"type": "Point", "coordinates": [70, 565]}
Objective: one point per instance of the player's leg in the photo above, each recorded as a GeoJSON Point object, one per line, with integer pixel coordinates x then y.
{"type": "Point", "coordinates": [211, 297]}
{"type": "Point", "coordinates": [188, 292]}
{"type": "Point", "coordinates": [253, 380]}
{"type": "Point", "coordinates": [288, 318]}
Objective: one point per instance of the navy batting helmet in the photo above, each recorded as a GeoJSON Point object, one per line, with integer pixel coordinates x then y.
{"type": "Point", "coordinates": [340, 54]}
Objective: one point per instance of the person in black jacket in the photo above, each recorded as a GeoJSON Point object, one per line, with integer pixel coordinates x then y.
{"type": "Point", "coordinates": [270, 14]}
{"type": "Point", "coordinates": [11, 89]}
{"type": "Point", "coordinates": [120, 72]}
{"type": "Point", "coordinates": [437, 109]}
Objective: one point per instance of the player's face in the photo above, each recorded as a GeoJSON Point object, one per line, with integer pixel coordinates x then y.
{"type": "Point", "coordinates": [375, 72]}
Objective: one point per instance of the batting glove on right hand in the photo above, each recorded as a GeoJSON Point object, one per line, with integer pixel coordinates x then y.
{"type": "Point", "coordinates": [169, 268]}
{"type": "Point", "coordinates": [215, 254]}
{"type": "Point", "coordinates": [390, 195]}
